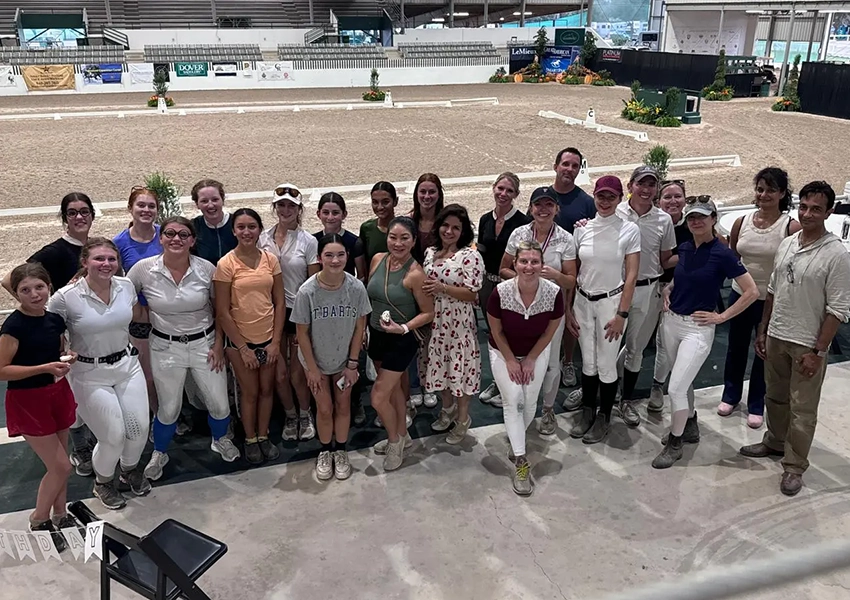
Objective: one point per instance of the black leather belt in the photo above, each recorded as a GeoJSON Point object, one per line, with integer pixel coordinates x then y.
{"type": "Point", "coordinates": [185, 338]}
{"type": "Point", "coordinates": [595, 297]}
{"type": "Point", "coordinates": [109, 359]}
{"type": "Point", "coordinates": [650, 281]}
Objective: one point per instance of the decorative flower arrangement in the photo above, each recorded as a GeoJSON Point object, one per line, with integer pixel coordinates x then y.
{"type": "Point", "coordinates": [153, 101]}
{"type": "Point", "coordinates": [790, 100]}
{"type": "Point", "coordinates": [375, 94]}
{"type": "Point", "coordinates": [655, 114]}
{"type": "Point", "coordinates": [718, 90]}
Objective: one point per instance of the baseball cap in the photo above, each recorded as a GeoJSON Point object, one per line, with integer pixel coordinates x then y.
{"type": "Point", "coordinates": [609, 183]}
{"type": "Point", "coordinates": [700, 205]}
{"type": "Point", "coordinates": [543, 193]}
{"type": "Point", "coordinates": [287, 191]}
{"type": "Point", "coordinates": [644, 171]}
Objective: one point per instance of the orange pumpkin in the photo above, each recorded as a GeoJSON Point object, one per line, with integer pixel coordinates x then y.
{"type": "Point", "coordinates": [518, 78]}
{"type": "Point", "coordinates": [588, 79]}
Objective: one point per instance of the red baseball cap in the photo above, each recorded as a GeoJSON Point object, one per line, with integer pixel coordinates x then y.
{"type": "Point", "coordinates": [609, 183]}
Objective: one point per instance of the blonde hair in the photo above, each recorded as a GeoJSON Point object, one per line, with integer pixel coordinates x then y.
{"type": "Point", "coordinates": [529, 246]}
{"type": "Point", "coordinates": [510, 177]}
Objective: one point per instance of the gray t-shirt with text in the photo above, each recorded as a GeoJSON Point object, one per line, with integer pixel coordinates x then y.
{"type": "Point", "coordinates": [332, 317]}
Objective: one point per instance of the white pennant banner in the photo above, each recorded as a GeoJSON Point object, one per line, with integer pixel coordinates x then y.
{"type": "Point", "coordinates": [44, 541]}
{"type": "Point", "coordinates": [20, 545]}
{"type": "Point", "coordinates": [94, 540]}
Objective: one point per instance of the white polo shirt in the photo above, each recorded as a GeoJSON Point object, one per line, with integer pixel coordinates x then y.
{"type": "Point", "coordinates": [558, 247]}
{"type": "Point", "coordinates": [299, 250]}
{"type": "Point", "coordinates": [602, 246]}
{"type": "Point", "coordinates": [96, 329]}
{"type": "Point", "coordinates": [656, 236]}
{"type": "Point", "coordinates": [176, 308]}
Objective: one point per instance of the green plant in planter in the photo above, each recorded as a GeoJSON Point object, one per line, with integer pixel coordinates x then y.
{"type": "Point", "coordinates": [541, 40]}
{"type": "Point", "coordinates": [667, 121]}
{"type": "Point", "coordinates": [790, 100]}
{"type": "Point", "coordinates": [718, 90]}
{"type": "Point", "coordinates": [375, 94]}
{"type": "Point", "coordinates": [659, 157]}
{"type": "Point", "coordinates": [168, 194]}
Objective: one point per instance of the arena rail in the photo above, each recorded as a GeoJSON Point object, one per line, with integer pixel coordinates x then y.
{"type": "Point", "coordinates": [728, 581]}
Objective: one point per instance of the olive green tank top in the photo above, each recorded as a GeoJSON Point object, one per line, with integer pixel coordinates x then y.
{"type": "Point", "coordinates": [387, 286]}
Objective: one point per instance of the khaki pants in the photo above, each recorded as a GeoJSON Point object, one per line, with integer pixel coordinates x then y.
{"type": "Point", "coordinates": [791, 403]}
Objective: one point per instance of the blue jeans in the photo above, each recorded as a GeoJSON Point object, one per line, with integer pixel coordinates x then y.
{"type": "Point", "coordinates": [741, 330]}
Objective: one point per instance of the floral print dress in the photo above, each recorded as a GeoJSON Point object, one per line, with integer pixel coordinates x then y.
{"type": "Point", "coordinates": [454, 358]}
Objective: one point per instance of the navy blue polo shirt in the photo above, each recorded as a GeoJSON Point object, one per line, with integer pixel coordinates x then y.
{"type": "Point", "coordinates": [700, 274]}
{"type": "Point", "coordinates": [573, 206]}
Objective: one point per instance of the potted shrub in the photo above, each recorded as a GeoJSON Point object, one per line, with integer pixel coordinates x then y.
{"type": "Point", "coordinates": [790, 100]}
{"type": "Point", "coordinates": [160, 89]}
{"type": "Point", "coordinates": [375, 94]}
{"type": "Point", "coordinates": [718, 90]}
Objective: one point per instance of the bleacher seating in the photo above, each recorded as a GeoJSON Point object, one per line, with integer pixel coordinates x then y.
{"type": "Point", "coordinates": [204, 53]}
{"type": "Point", "coordinates": [330, 52]}
{"type": "Point", "coordinates": [15, 55]}
{"type": "Point", "coordinates": [448, 50]}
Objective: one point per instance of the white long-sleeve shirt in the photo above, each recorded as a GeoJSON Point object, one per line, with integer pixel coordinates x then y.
{"type": "Point", "coordinates": [808, 283]}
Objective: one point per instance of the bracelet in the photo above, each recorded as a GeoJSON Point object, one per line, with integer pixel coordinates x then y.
{"type": "Point", "coordinates": [406, 329]}
{"type": "Point", "coordinates": [352, 361]}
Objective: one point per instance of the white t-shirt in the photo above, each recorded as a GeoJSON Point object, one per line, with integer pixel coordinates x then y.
{"type": "Point", "coordinates": [558, 248]}
{"type": "Point", "coordinates": [299, 250]}
{"type": "Point", "coordinates": [602, 246]}
{"type": "Point", "coordinates": [176, 308]}
{"type": "Point", "coordinates": [96, 329]}
{"type": "Point", "coordinates": [656, 236]}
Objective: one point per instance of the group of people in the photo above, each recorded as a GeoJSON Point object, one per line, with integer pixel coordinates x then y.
{"type": "Point", "coordinates": [110, 332]}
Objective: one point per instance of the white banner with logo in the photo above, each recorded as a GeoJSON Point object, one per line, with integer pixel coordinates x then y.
{"type": "Point", "coordinates": [276, 71]}
{"type": "Point", "coordinates": [141, 72]}
{"type": "Point", "coordinates": [7, 76]}
{"type": "Point", "coordinates": [38, 545]}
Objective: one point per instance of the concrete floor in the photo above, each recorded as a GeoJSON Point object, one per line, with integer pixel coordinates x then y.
{"type": "Point", "coordinates": [448, 526]}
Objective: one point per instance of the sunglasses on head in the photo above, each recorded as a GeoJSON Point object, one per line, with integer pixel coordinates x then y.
{"type": "Point", "coordinates": [182, 234]}
{"type": "Point", "coordinates": [287, 191]}
{"type": "Point", "coordinates": [666, 182]}
{"type": "Point", "coordinates": [698, 199]}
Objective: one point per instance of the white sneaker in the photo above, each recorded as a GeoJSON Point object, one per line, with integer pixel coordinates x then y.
{"type": "Point", "coordinates": [496, 401]}
{"type": "Point", "coordinates": [568, 374]}
{"type": "Point", "coordinates": [229, 452]}
{"type": "Point", "coordinates": [324, 466]}
{"type": "Point", "coordinates": [342, 466]}
{"type": "Point", "coordinates": [488, 392]}
{"type": "Point", "coordinates": [416, 399]}
{"type": "Point", "coordinates": [157, 462]}
{"type": "Point", "coordinates": [430, 400]}
{"type": "Point", "coordinates": [381, 447]}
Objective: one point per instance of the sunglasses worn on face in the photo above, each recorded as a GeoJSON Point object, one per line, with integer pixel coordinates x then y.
{"type": "Point", "coordinates": [72, 213]}
{"type": "Point", "coordinates": [287, 191]}
{"type": "Point", "coordinates": [698, 199]}
{"type": "Point", "coordinates": [182, 234]}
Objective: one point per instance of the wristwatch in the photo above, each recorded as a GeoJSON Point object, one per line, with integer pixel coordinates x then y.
{"type": "Point", "coordinates": [818, 353]}
{"type": "Point", "coordinates": [623, 313]}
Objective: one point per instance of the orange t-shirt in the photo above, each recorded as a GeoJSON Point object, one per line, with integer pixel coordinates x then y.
{"type": "Point", "coordinates": [251, 303]}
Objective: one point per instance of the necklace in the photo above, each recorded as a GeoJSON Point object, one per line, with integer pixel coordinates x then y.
{"type": "Point", "coordinates": [326, 284]}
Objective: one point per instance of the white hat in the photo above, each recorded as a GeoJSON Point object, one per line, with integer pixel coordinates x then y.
{"type": "Point", "coordinates": [287, 191]}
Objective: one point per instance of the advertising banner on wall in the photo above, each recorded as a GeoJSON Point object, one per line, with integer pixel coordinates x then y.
{"type": "Point", "coordinates": [7, 76]}
{"type": "Point", "coordinates": [520, 58]}
{"type": "Point", "coordinates": [565, 38]}
{"type": "Point", "coordinates": [48, 78]}
{"type": "Point", "coordinates": [141, 72]}
{"type": "Point", "coordinates": [100, 74]}
{"type": "Point", "coordinates": [612, 55]}
{"type": "Point", "coordinates": [558, 60]}
{"type": "Point", "coordinates": [225, 69]}
{"type": "Point", "coordinates": [191, 69]}
{"type": "Point", "coordinates": [276, 71]}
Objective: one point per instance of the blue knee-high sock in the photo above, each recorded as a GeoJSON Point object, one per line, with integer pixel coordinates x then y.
{"type": "Point", "coordinates": [218, 427]}
{"type": "Point", "coordinates": [162, 435]}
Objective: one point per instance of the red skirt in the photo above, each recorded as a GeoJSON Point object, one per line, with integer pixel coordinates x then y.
{"type": "Point", "coordinates": [40, 411]}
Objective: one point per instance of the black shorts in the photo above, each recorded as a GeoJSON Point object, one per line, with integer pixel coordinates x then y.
{"type": "Point", "coordinates": [288, 325]}
{"type": "Point", "coordinates": [229, 344]}
{"type": "Point", "coordinates": [394, 352]}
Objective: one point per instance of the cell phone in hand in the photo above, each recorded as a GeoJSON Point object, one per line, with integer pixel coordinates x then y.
{"type": "Point", "coordinates": [340, 383]}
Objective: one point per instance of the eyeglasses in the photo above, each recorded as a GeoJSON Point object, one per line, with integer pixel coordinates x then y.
{"type": "Point", "coordinates": [72, 213]}
{"type": "Point", "coordinates": [698, 199]}
{"type": "Point", "coordinates": [287, 191]}
{"type": "Point", "coordinates": [182, 234]}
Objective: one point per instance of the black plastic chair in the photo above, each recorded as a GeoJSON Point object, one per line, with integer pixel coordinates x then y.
{"type": "Point", "coordinates": [161, 565]}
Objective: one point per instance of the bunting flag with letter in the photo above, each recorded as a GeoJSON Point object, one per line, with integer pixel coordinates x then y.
{"type": "Point", "coordinates": [20, 545]}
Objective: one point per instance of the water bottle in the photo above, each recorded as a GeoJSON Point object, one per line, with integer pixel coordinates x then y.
{"type": "Point", "coordinates": [845, 228]}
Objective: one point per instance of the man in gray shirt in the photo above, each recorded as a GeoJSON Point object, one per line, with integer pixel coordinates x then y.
{"type": "Point", "coordinates": [808, 298]}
